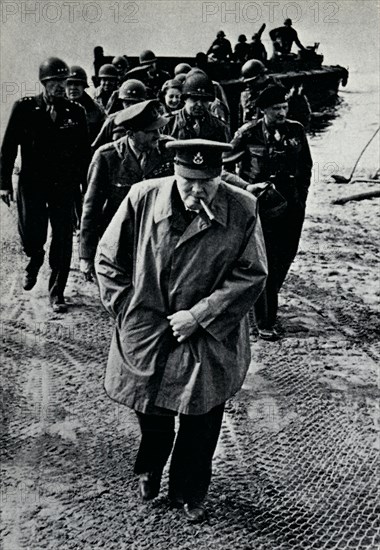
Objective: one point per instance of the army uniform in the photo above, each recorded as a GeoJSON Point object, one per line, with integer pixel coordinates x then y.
{"type": "Point", "coordinates": [110, 131]}
{"type": "Point", "coordinates": [248, 109]}
{"type": "Point", "coordinates": [210, 127]}
{"type": "Point", "coordinates": [130, 92]}
{"type": "Point", "coordinates": [55, 155]}
{"type": "Point", "coordinates": [113, 170]}
{"type": "Point", "coordinates": [283, 158]}
{"type": "Point", "coordinates": [95, 115]}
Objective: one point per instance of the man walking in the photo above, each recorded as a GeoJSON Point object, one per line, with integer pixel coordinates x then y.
{"type": "Point", "coordinates": [52, 134]}
{"type": "Point", "coordinates": [275, 149]}
{"type": "Point", "coordinates": [179, 267]}
{"type": "Point", "coordinates": [195, 120]}
{"type": "Point", "coordinates": [115, 167]}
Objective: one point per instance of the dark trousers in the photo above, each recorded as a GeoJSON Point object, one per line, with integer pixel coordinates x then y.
{"type": "Point", "coordinates": [36, 207]}
{"type": "Point", "coordinates": [191, 462]}
{"type": "Point", "coordinates": [282, 238]}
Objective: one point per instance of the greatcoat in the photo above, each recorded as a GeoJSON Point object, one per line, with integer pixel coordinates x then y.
{"type": "Point", "coordinates": [113, 170]}
{"type": "Point", "coordinates": [149, 266]}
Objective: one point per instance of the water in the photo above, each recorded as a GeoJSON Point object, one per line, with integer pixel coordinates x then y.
{"type": "Point", "coordinates": [346, 29]}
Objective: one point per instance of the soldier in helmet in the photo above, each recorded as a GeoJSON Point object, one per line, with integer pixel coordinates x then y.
{"type": "Point", "coordinates": [283, 38]}
{"type": "Point", "coordinates": [241, 49]}
{"type": "Point", "coordinates": [224, 50]}
{"type": "Point", "coordinates": [131, 92]}
{"type": "Point", "coordinates": [195, 119]}
{"type": "Point", "coordinates": [51, 131]}
{"type": "Point", "coordinates": [115, 167]}
{"type": "Point", "coordinates": [182, 68]}
{"type": "Point", "coordinates": [253, 75]}
{"type": "Point", "coordinates": [120, 62]}
{"type": "Point", "coordinates": [109, 82]}
{"type": "Point", "coordinates": [76, 85]}
{"type": "Point", "coordinates": [149, 73]}
{"type": "Point", "coordinates": [257, 49]}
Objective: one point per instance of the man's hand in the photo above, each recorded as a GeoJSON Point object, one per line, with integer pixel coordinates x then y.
{"type": "Point", "coordinates": [6, 196]}
{"type": "Point", "coordinates": [183, 324]}
{"type": "Point", "coordinates": [87, 268]}
{"type": "Point", "coordinates": [256, 187]}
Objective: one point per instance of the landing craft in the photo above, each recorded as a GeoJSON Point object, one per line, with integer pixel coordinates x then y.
{"type": "Point", "coordinates": [320, 83]}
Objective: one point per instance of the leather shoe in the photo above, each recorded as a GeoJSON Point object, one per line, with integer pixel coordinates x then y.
{"type": "Point", "coordinates": [59, 306]}
{"type": "Point", "coordinates": [271, 335]}
{"type": "Point", "coordinates": [194, 513]}
{"type": "Point", "coordinates": [29, 281]}
{"type": "Point", "coordinates": [176, 501]}
{"type": "Point", "coordinates": [149, 485]}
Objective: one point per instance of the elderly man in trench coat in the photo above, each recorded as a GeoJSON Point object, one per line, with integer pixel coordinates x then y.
{"type": "Point", "coordinates": [180, 265]}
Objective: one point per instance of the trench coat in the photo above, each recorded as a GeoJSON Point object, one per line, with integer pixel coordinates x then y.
{"type": "Point", "coordinates": [113, 170]}
{"type": "Point", "coordinates": [149, 267]}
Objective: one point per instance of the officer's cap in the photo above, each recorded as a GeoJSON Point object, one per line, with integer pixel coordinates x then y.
{"type": "Point", "coordinates": [142, 116]}
{"type": "Point", "coordinates": [271, 96]}
{"type": "Point", "coordinates": [198, 158]}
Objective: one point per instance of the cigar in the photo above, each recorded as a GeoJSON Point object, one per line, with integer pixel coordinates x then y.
{"type": "Point", "coordinates": [207, 210]}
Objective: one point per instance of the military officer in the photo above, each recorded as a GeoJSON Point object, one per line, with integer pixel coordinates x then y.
{"type": "Point", "coordinates": [76, 85]}
{"type": "Point", "coordinates": [52, 134]}
{"type": "Point", "coordinates": [275, 149]}
{"type": "Point", "coordinates": [195, 119]}
{"type": "Point", "coordinates": [132, 91]}
{"type": "Point", "coordinates": [149, 73]}
{"type": "Point", "coordinates": [115, 167]}
{"type": "Point", "coordinates": [255, 78]}
{"type": "Point", "coordinates": [109, 82]}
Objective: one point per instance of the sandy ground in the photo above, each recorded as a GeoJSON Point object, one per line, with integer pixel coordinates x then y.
{"type": "Point", "coordinates": [296, 463]}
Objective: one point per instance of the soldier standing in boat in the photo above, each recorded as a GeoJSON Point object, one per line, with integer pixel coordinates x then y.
{"type": "Point", "coordinates": [283, 38]}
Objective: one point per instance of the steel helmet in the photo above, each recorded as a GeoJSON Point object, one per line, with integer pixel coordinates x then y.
{"type": "Point", "coordinates": [220, 34]}
{"type": "Point", "coordinates": [53, 68]}
{"type": "Point", "coordinates": [120, 62]}
{"type": "Point", "coordinates": [198, 85]}
{"type": "Point", "coordinates": [182, 68]}
{"type": "Point", "coordinates": [132, 90]}
{"type": "Point", "coordinates": [108, 71]}
{"type": "Point", "coordinates": [147, 57]}
{"type": "Point", "coordinates": [77, 74]}
{"type": "Point", "coordinates": [181, 77]}
{"type": "Point", "coordinates": [252, 69]}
